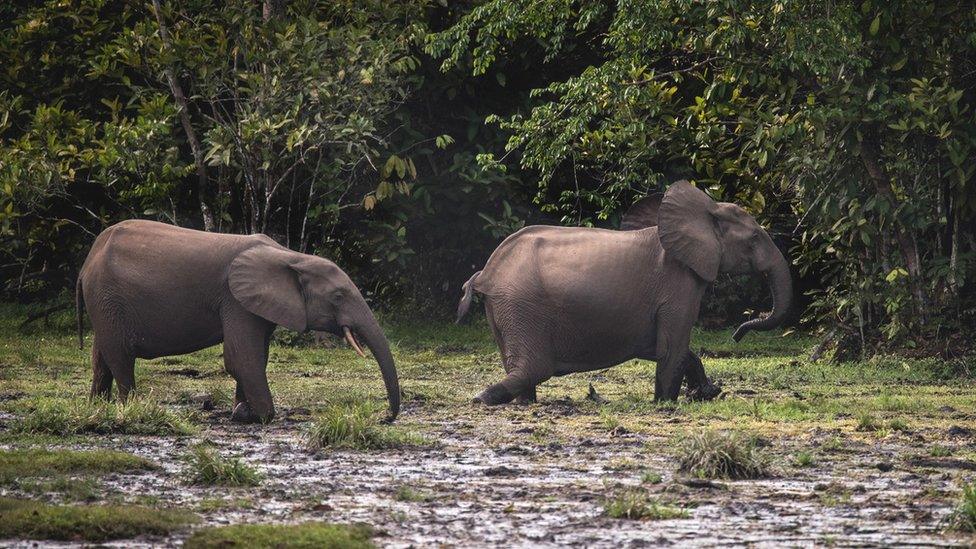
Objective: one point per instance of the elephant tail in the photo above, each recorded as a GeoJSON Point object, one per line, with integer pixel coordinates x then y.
{"type": "Point", "coordinates": [465, 303]}
{"type": "Point", "coordinates": [79, 308]}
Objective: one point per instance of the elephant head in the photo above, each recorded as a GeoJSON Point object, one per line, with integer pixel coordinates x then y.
{"type": "Point", "coordinates": [305, 292]}
{"type": "Point", "coordinates": [709, 237]}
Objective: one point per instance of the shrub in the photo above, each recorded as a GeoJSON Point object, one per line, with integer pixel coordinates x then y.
{"type": "Point", "coordinates": [712, 454]}
{"type": "Point", "coordinates": [207, 467]}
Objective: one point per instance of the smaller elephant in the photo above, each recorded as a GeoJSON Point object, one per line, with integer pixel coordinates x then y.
{"type": "Point", "coordinates": [152, 289]}
{"type": "Point", "coordinates": [567, 299]}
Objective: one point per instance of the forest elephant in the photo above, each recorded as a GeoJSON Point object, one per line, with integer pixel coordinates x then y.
{"type": "Point", "coordinates": [152, 289]}
{"type": "Point", "coordinates": [562, 299]}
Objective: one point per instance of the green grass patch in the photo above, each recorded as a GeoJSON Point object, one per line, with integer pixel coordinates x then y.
{"type": "Point", "coordinates": [140, 415]}
{"type": "Point", "coordinates": [722, 454]}
{"type": "Point", "coordinates": [40, 462]}
{"type": "Point", "coordinates": [207, 467]}
{"type": "Point", "coordinates": [357, 426]}
{"type": "Point", "coordinates": [637, 505]}
{"type": "Point", "coordinates": [804, 459]}
{"type": "Point", "coordinates": [298, 536]}
{"type": "Point", "coordinates": [23, 519]}
{"type": "Point", "coordinates": [963, 518]}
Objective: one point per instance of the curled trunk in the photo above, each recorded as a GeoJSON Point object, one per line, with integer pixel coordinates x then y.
{"type": "Point", "coordinates": [782, 286]}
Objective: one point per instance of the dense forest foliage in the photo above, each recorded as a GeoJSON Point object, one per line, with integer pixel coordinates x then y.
{"type": "Point", "coordinates": [406, 139]}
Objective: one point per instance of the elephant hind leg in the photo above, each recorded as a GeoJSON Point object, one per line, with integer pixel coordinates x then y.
{"type": "Point", "coordinates": [101, 376]}
{"type": "Point", "coordinates": [527, 397]}
{"type": "Point", "coordinates": [520, 382]}
{"type": "Point", "coordinates": [118, 364]}
{"type": "Point", "coordinates": [699, 386]}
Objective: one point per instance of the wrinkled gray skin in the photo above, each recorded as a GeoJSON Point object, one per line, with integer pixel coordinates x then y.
{"type": "Point", "coordinates": [561, 300]}
{"type": "Point", "coordinates": [152, 290]}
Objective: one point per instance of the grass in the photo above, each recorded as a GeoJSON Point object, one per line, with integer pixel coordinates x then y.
{"type": "Point", "coordinates": [39, 462]}
{"type": "Point", "coordinates": [722, 454]}
{"type": "Point", "coordinates": [804, 459]}
{"type": "Point", "coordinates": [408, 494]}
{"type": "Point", "coordinates": [963, 518]}
{"type": "Point", "coordinates": [650, 477]}
{"type": "Point", "coordinates": [94, 523]}
{"type": "Point", "coordinates": [298, 536]}
{"type": "Point", "coordinates": [208, 468]}
{"type": "Point", "coordinates": [771, 390]}
{"type": "Point", "coordinates": [635, 504]}
{"type": "Point", "coordinates": [140, 415]}
{"type": "Point", "coordinates": [357, 426]}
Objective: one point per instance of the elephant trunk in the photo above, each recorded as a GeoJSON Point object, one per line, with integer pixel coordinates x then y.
{"type": "Point", "coordinates": [782, 286]}
{"type": "Point", "coordinates": [373, 337]}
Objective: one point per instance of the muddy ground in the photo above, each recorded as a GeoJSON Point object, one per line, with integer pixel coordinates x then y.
{"type": "Point", "coordinates": [539, 475]}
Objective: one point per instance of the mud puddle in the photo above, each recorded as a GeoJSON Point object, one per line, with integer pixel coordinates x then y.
{"type": "Point", "coordinates": [488, 482]}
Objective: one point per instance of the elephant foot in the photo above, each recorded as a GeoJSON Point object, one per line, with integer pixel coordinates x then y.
{"type": "Point", "coordinates": [494, 395]}
{"type": "Point", "coordinates": [705, 391]}
{"type": "Point", "coordinates": [244, 414]}
{"type": "Point", "coordinates": [523, 400]}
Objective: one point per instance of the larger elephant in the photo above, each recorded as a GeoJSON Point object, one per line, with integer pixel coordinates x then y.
{"type": "Point", "coordinates": [152, 290]}
{"type": "Point", "coordinates": [561, 300]}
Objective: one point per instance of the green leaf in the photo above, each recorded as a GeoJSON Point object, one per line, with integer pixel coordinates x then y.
{"type": "Point", "coordinates": [875, 25]}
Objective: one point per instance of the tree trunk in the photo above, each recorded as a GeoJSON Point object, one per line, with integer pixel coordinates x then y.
{"type": "Point", "coordinates": [871, 158]}
{"type": "Point", "coordinates": [191, 135]}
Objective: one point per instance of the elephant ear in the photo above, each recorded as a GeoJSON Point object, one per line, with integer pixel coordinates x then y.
{"type": "Point", "coordinates": [264, 281]}
{"type": "Point", "coordinates": [688, 229]}
{"type": "Point", "coordinates": [642, 214]}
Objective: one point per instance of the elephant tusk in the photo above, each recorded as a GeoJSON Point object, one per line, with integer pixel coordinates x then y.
{"type": "Point", "coordinates": [352, 341]}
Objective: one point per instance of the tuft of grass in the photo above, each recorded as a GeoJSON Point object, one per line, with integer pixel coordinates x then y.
{"type": "Point", "coordinates": [357, 426]}
{"type": "Point", "coordinates": [898, 424]}
{"type": "Point", "coordinates": [963, 518]}
{"type": "Point", "coordinates": [940, 451]}
{"type": "Point", "coordinates": [279, 536]}
{"type": "Point", "coordinates": [804, 459]}
{"type": "Point", "coordinates": [406, 493]}
{"type": "Point", "coordinates": [206, 467]}
{"type": "Point", "coordinates": [867, 422]}
{"type": "Point", "coordinates": [38, 462]}
{"type": "Point", "coordinates": [650, 477]}
{"type": "Point", "coordinates": [722, 454]}
{"type": "Point", "coordinates": [25, 519]}
{"type": "Point", "coordinates": [636, 505]}
{"type": "Point", "coordinates": [140, 415]}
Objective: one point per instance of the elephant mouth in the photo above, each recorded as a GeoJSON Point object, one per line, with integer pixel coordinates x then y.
{"type": "Point", "coordinates": [351, 340]}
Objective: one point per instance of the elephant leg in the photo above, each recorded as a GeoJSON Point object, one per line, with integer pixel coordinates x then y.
{"type": "Point", "coordinates": [238, 394]}
{"type": "Point", "coordinates": [101, 376]}
{"type": "Point", "coordinates": [699, 386]}
{"type": "Point", "coordinates": [120, 364]}
{"type": "Point", "coordinates": [527, 397]}
{"type": "Point", "coordinates": [518, 382]}
{"type": "Point", "coordinates": [672, 354]}
{"type": "Point", "coordinates": [246, 359]}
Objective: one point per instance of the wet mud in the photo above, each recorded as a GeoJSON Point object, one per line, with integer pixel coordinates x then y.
{"type": "Point", "coordinates": [517, 476]}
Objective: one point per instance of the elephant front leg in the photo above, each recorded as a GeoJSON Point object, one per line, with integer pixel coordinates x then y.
{"type": "Point", "coordinates": [672, 353]}
{"type": "Point", "coordinates": [246, 359]}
